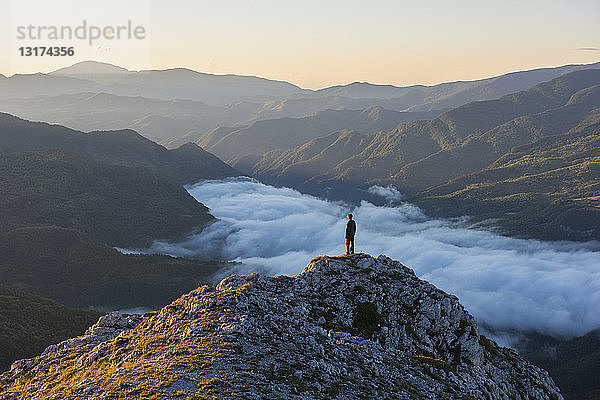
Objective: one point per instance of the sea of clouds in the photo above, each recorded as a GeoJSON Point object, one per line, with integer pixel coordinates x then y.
{"type": "Point", "coordinates": [506, 283]}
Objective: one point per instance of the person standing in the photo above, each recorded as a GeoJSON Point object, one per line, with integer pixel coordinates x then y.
{"type": "Point", "coordinates": [350, 232]}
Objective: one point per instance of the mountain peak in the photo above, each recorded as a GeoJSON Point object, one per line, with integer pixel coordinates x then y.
{"type": "Point", "coordinates": [345, 327]}
{"type": "Point", "coordinates": [90, 68]}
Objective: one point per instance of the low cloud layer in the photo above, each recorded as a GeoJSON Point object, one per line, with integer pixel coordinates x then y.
{"type": "Point", "coordinates": [552, 288]}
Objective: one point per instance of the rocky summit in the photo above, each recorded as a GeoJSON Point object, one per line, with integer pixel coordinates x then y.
{"type": "Point", "coordinates": [349, 327]}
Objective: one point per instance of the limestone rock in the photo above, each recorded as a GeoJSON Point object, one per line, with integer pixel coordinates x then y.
{"type": "Point", "coordinates": [346, 327]}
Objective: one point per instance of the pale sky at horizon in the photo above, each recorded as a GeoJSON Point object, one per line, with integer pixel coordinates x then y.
{"type": "Point", "coordinates": [321, 43]}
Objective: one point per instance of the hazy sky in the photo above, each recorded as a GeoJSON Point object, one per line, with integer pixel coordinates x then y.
{"type": "Point", "coordinates": [320, 43]}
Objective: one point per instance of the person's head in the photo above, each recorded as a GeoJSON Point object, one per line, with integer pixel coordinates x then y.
{"type": "Point", "coordinates": [349, 216]}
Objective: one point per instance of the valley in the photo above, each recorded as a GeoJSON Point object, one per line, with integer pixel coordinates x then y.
{"type": "Point", "coordinates": [131, 194]}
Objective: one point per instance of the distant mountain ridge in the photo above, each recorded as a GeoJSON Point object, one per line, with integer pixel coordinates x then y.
{"type": "Point", "coordinates": [87, 68]}
{"type": "Point", "coordinates": [436, 96]}
{"type": "Point", "coordinates": [167, 84]}
{"type": "Point", "coordinates": [99, 96]}
{"type": "Point", "coordinates": [174, 122]}
{"type": "Point", "coordinates": [453, 94]}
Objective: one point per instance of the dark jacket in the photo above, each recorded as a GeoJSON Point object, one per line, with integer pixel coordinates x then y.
{"type": "Point", "coordinates": [350, 228]}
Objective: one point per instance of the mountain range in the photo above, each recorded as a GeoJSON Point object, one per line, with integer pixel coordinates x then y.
{"type": "Point", "coordinates": [338, 141]}
{"type": "Point", "coordinates": [118, 187]}
{"type": "Point", "coordinates": [181, 83]}
{"type": "Point", "coordinates": [165, 105]}
{"type": "Point", "coordinates": [518, 150]}
{"type": "Point", "coordinates": [176, 122]}
{"type": "Point", "coordinates": [445, 164]}
{"type": "Point", "coordinates": [274, 134]}
{"type": "Point", "coordinates": [185, 164]}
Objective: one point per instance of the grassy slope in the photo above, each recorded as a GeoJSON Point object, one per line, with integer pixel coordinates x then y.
{"type": "Point", "coordinates": [478, 151]}
{"type": "Point", "coordinates": [28, 324]}
{"type": "Point", "coordinates": [547, 189]}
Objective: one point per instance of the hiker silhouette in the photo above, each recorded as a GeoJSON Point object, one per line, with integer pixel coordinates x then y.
{"type": "Point", "coordinates": [350, 232]}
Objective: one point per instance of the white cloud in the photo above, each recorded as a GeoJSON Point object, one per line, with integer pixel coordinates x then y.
{"type": "Point", "coordinates": [553, 288]}
{"type": "Point", "coordinates": [389, 193]}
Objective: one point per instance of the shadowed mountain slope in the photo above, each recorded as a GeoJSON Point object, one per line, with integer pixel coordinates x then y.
{"type": "Point", "coordinates": [29, 324]}
{"type": "Point", "coordinates": [124, 206]}
{"type": "Point", "coordinates": [574, 363]}
{"type": "Point", "coordinates": [187, 164]}
{"type": "Point", "coordinates": [176, 83]}
{"type": "Point", "coordinates": [68, 267]}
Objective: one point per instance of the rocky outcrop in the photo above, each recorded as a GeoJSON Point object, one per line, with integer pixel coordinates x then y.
{"type": "Point", "coordinates": [346, 327]}
{"type": "Point", "coordinates": [107, 328]}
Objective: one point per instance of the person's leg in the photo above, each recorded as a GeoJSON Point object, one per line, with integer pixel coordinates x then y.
{"type": "Point", "coordinates": [351, 245]}
{"type": "Point", "coordinates": [347, 246]}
